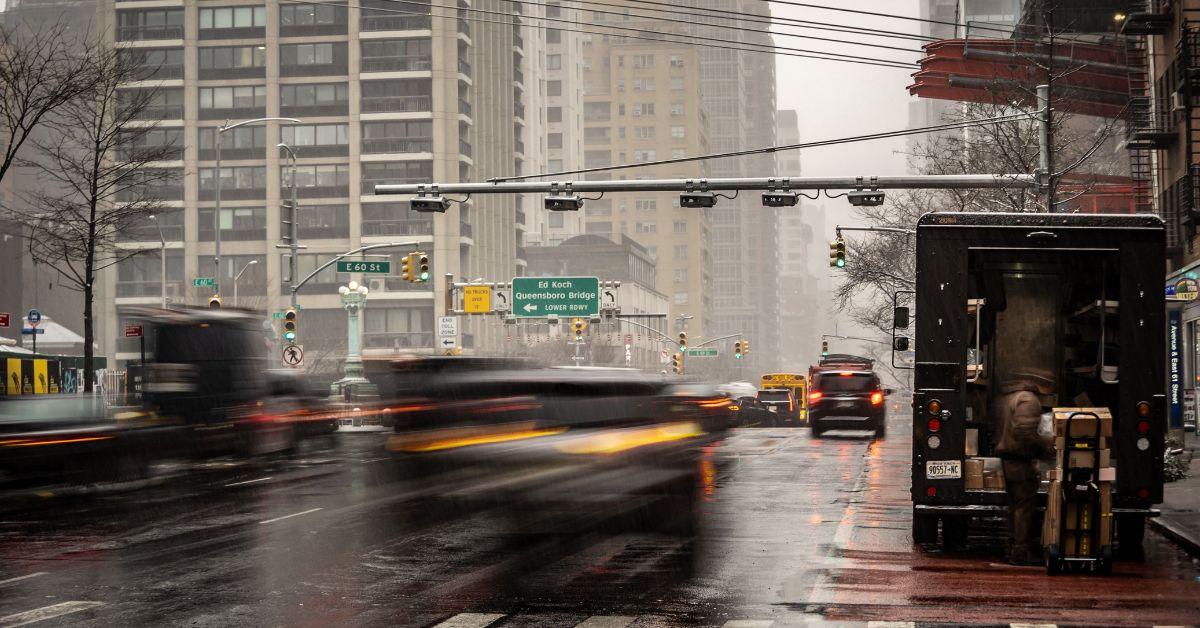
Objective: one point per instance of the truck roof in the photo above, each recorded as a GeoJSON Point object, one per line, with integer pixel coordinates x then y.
{"type": "Point", "coordinates": [1005, 219]}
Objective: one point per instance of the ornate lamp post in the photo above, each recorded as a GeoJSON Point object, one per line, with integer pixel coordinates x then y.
{"type": "Point", "coordinates": [353, 385]}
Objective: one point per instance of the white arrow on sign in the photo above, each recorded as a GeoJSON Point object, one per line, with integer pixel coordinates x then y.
{"type": "Point", "coordinates": [529, 307]}
{"type": "Point", "coordinates": [447, 343]}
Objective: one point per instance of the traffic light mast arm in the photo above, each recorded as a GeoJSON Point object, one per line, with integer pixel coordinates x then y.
{"type": "Point", "coordinates": [648, 328]}
{"type": "Point", "coordinates": [824, 336]}
{"type": "Point", "coordinates": [839, 229]}
{"type": "Point", "coordinates": [369, 247]}
{"type": "Point", "coordinates": [712, 340]}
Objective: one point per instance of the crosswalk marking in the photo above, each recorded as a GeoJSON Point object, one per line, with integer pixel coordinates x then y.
{"type": "Point", "coordinates": [24, 577]}
{"type": "Point", "coordinates": [46, 612]}
{"type": "Point", "coordinates": [471, 620]}
{"type": "Point", "coordinates": [606, 621]}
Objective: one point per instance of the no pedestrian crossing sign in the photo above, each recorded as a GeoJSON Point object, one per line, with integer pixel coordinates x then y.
{"type": "Point", "coordinates": [534, 297]}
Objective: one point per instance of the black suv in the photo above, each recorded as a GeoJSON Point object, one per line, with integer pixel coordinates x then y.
{"type": "Point", "coordinates": [846, 398]}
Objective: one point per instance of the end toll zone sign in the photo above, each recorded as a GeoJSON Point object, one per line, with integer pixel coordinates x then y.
{"type": "Point", "coordinates": [555, 296]}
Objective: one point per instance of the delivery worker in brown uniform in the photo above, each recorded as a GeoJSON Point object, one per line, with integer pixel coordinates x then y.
{"type": "Point", "coordinates": [1017, 412]}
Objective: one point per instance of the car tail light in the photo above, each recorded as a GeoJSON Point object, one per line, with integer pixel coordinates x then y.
{"type": "Point", "coordinates": [935, 425]}
{"type": "Point", "coordinates": [877, 398]}
{"type": "Point", "coordinates": [815, 396]}
{"type": "Point", "coordinates": [1143, 427]}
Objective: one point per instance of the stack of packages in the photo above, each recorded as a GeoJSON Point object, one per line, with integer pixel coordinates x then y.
{"type": "Point", "coordinates": [1079, 500]}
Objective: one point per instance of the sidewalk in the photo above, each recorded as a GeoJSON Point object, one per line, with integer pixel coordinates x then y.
{"type": "Point", "coordinates": [1180, 520]}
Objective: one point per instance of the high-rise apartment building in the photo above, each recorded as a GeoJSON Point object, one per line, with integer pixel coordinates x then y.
{"type": "Point", "coordinates": [642, 102]}
{"type": "Point", "coordinates": [800, 301]}
{"type": "Point", "coordinates": [386, 93]}
{"type": "Point", "coordinates": [563, 86]}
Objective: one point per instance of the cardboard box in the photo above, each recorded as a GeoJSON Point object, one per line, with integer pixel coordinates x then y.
{"type": "Point", "coordinates": [971, 444]}
{"type": "Point", "coordinates": [1082, 426]}
{"type": "Point", "coordinates": [1080, 458]}
{"type": "Point", "coordinates": [973, 474]}
{"type": "Point", "coordinates": [1083, 517]}
{"type": "Point", "coordinates": [993, 480]}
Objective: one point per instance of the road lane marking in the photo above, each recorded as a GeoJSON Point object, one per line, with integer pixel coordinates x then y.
{"type": "Point", "coordinates": [250, 481]}
{"type": "Point", "coordinates": [370, 460]}
{"type": "Point", "coordinates": [749, 623]}
{"type": "Point", "coordinates": [24, 577]}
{"type": "Point", "coordinates": [46, 612]}
{"type": "Point", "coordinates": [295, 514]}
{"type": "Point", "coordinates": [606, 621]}
{"type": "Point", "coordinates": [471, 620]}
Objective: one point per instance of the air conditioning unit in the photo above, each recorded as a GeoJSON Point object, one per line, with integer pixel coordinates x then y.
{"type": "Point", "coordinates": [376, 285]}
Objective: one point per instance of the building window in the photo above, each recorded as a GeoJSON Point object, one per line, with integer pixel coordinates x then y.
{"type": "Point", "coordinates": [153, 63]}
{"type": "Point", "coordinates": [676, 108]}
{"type": "Point", "coordinates": [676, 82]}
{"type": "Point", "coordinates": [327, 98]}
{"type": "Point", "coordinates": [596, 158]}
{"type": "Point", "coordinates": [232, 62]}
{"type": "Point", "coordinates": [681, 298]}
{"type": "Point", "coordinates": [312, 59]}
{"type": "Point", "coordinates": [555, 220]}
{"type": "Point", "coordinates": [400, 136]}
{"type": "Point", "coordinates": [645, 205]}
{"type": "Point", "coordinates": [160, 104]}
{"type": "Point", "coordinates": [305, 19]}
{"type": "Point", "coordinates": [237, 223]}
{"type": "Point", "coordinates": [643, 109]}
{"type": "Point", "coordinates": [554, 88]}
{"type": "Point", "coordinates": [553, 36]}
{"type": "Point", "coordinates": [554, 140]}
{"type": "Point", "coordinates": [398, 96]}
{"type": "Point", "coordinates": [643, 85]}
{"type": "Point", "coordinates": [676, 61]}
{"type": "Point", "coordinates": [308, 262]}
{"type": "Point", "coordinates": [397, 55]}
{"type": "Point", "coordinates": [553, 9]}
{"type": "Point", "coordinates": [141, 144]}
{"type": "Point", "coordinates": [620, 109]}
{"type": "Point", "coordinates": [597, 111]}
{"type": "Point", "coordinates": [678, 153]}
{"type": "Point", "coordinates": [244, 98]}
{"type": "Point", "coordinates": [237, 182]}
{"type": "Point", "coordinates": [244, 142]}
{"type": "Point", "coordinates": [597, 135]}
{"type": "Point", "coordinates": [680, 226]}
{"type": "Point", "coordinates": [233, 17]}
{"type": "Point", "coordinates": [555, 165]}
{"type": "Point", "coordinates": [643, 132]}
{"type": "Point", "coordinates": [679, 251]}
{"type": "Point", "coordinates": [146, 24]}
{"type": "Point", "coordinates": [397, 328]}
{"type": "Point", "coordinates": [395, 172]}
{"type": "Point", "coordinates": [553, 114]}
{"type": "Point", "coordinates": [646, 227]}
{"type": "Point", "coordinates": [553, 62]}
{"type": "Point", "coordinates": [323, 221]}
{"type": "Point", "coordinates": [318, 180]}
{"type": "Point", "coordinates": [316, 135]}
{"type": "Point", "coordinates": [643, 61]}
{"type": "Point", "coordinates": [680, 275]}
{"type": "Point", "coordinates": [641, 156]}
{"type": "Point", "coordinates": [677, 132]}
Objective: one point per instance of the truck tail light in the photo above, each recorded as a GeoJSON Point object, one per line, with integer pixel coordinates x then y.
{"type": "Point", "coordinates": [1143, 427]}
{"type": "Point", "coordinates": [815, 396]}
{"type": "Point", "coordinates": [1143, 409]}
{"type": "Point", "coordinates": [877, 398]}
{"type": "Point", "coordinates": [935, 425]}
{"type": "Point", "coordinates": [931, 491]}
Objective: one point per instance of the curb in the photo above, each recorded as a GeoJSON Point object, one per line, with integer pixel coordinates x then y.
{"type": "Point", "coordinates": [1181, 538]}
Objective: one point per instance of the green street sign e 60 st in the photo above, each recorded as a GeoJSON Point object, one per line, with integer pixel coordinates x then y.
{"type": "Point", "coordinates": [361, 266]}
{"type": "Point", "coordinates": [199, 282]}
{"type": "Point", "coordinates": [702, 353]}
{"type": "Point", "coordinates": [559, 296]}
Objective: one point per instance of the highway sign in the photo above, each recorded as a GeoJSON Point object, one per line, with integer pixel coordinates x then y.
{"type": "Point", "coordinates": [501, 299]}
{"type": "Point", "coordinates": [29, 331]}
{"type": "Point", "coordinates": [562, 296]}
{"type": "Point", "coordinates": [702, 353]}
{"type": "Point", "coordinates": [133, 331]}
{"type": "Point", "coordinates": [448, 326]}
{"type": "Point", "coordinates": [200, 282]}
{"type": "Point", "coordinates": [477, 299]}
{"type": "Point", "coordinates": [3, 319]}
{"type": "Point", "coordinates": [34, 318]}
{"type": "Point", "coordinates": [293, 355]}
{"type": "Point", "coordinates": [364, 266]}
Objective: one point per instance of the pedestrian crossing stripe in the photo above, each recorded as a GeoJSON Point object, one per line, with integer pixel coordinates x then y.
{"type": "Point", "coordinates": [483, 620]}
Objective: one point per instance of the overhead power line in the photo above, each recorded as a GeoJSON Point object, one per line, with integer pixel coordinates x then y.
{"type": "Point", "coordinates": [647, 31]}
{"type": "Point", "coordinates": [864, 60]}
{"type": "Point", "coordinates": [769, 19]}
{"type": "Point", "coordinates": [876, 14]}
{"type": "Point", "coordinates": [950, 126]}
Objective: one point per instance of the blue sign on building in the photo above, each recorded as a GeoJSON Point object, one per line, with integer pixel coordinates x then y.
{"type": "Point", "coordinates": [1175, 369]}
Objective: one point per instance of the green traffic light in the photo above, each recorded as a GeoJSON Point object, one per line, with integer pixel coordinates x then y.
{"type": "Point", "coordinates": [289, 336]}
{"type": "Point", "coordinates": [737, 355]}
{"type": "Point", "coordinates": [425, 276]}
{"type": "Point", "coordinates": [841, 263]}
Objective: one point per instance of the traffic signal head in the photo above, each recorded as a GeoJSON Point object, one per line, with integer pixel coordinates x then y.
{"type": "Point", "coordinates": [745, 346]}
{"type": "Point", "coordinates": [833, 256]}
{"type": "Point", "coordinates": [289, 325]}
{"type": "Point", "coordinates": [406, 271]}
{"type": "Point", "coordinates": [677, 363]}
{"type": "Point", "coordinates": [839, 250]}
{"type": "Point", "coordinates": [422, 267]}
{"type": "Point", "coordinates": [682, 341]}
{"type": "Point", "coordinates": [737, 350]}
{"type": "Point", "coordinates": [824, 347]}
{"type": "Point", "coordinates": [214, 302]}
{"type": "Point", "coordinates": [577, 326]}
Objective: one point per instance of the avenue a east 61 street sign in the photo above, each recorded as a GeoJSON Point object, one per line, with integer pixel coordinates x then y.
{"type": "Point", "coordinates": [558, 296]}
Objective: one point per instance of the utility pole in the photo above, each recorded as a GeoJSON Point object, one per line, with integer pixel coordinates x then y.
{"type": "Point", "coordinates": [293, 231]}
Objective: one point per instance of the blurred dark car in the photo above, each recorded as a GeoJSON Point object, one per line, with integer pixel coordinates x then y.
{"type": "Point", "coordinates": [780, 407]}
{"type": "Point", "coordinates": [555, 444]}
{"type": "Point", "coordinates": [847, 399]}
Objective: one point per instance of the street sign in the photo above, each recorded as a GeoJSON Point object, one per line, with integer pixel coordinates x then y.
{"type": "Point", "coordinates": [702, 353]}
{"type": "Point", "coordinates": [3, 319]}
{"type": "Point", "coordinates": [200, 282]}
{"type": "Point", "coordinates": [293, 355]}
{"type": "Point", "coordinates": [448, 326]}
{"type": "Point", "coordinates": [133, 331]}
{"type": "Point", "coordinates": [447, 342]}
{"type": "Point", "coordinates": [30, 331]}
{"type": "Point", "coordinates": [364, 266]}
{"type": "Point", "coordinates": [477, 299]}
{"type": "Point", "coordinates": [501, 299]}
{"type": "Point", "coordinates": [34, 318]}
{"type": "Point", "coordinates": [562, 296]}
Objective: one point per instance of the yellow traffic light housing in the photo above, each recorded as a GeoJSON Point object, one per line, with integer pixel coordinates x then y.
{"type": "Point", "coordinates": [289, 325]}
{"type": "Point", "coordinates": [839, 259]}
{"type": "Point", "coordinates": [682, 341]}
{"type": "Point", "coordinates": [214, 302]}
{"type": "Point", "coordinates": [677, 363]}
{"type": "Point", "coordinates": [422, 267]}
{"type": "Point", "coordinates": [745, 347]}
{"type": "Point", "coordinates": [406, 272]}
{"type": "Point", "coordinates": [833, 256]}
{"type": "Point", "coordinates": [578, 326]}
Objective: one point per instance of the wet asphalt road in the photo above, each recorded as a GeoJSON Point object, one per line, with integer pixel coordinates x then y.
{"type": "Point", "coordinates": [795, 531]}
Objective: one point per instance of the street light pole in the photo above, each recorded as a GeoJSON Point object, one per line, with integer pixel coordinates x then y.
{"type": "Point", "coordinates": [293, 230]}
{"type": "Point", "coordinates": [353, 384]}
{"type": "Point", "coordinates": [217, 194]}
{"type": "Point", "coordinates": [162, 261]}
{"type": "Point", "coordinates": [239, 276]}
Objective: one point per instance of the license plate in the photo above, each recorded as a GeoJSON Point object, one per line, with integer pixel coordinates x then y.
{"type": "Point", "coordinates": [943, 469]}
{"type": "Point", "coordinates": [845, 404]}
{"type": "Point", "coordinates": [772, 409]}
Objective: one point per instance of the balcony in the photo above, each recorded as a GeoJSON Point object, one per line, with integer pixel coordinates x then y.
{"type": "Point", "coordinates": [313, 30]}
{"type": "Point", "coordinates": [519, 110]}
{"type": "Point", "coordinates": [397, 340]}
{"type": "Point", "coordinates": [159, 192]}
{"type": "Point", "coordinates": [149, 232]}
{"type": "Point", "coordinates": [235, 113]}
{"type": "Point", "coordinates": [397, 104]}
{"type": "Point", "coordinates": [148, 33]}
{"type": "Point", "coordinates": [158, 72]}
{"type": "Point", "coordinates": [397, 227]}
{"type": "Point", "coordinates": [518, 41]}
{"type": "Point", "coordinates": [521, 254]}
{"type": "Point", "coordinates": [397, 64]}
{"type": "Point", "coordinates": [465, 230]}
{"type": "Point", "coordinates": [464, 67]}
{"type": "Point", "coordinates": [375, 23]}
{"type": "Point", "coordinates": [464, 27]}
{"type": "Point", "coordinates": [464, 107]}
{"type": "Point", "coordinates": [1148, 124]}
{"type": "Point", "coordinates": [248, 32]}
{"type": "Point", "coordinates": [464, 148]}
{"type": "Point", "coordinates": [229, 154]}
{"type": "Point", "coordinates": [397, 145]}
{"type": "Point", "coordinates": [321, 69]}
{"type": "Point", "coordinates": [212, 74]}
{"type": "Point", "coordinates": [519, 146]}
{"type": "Point", "coordinates": [518, 76]}
{"type": "Point", "coordinates": [300, 111]}
{"type": "Point", "coordinates": [148, 288]}
{"type": "Point", "coordinates": [1148, 17]}
{"type": "Point", "coordinates": [368, 185]}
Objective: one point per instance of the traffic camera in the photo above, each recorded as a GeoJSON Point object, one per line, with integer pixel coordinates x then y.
{"type": "Point", "coordinates": [214, 302]}
{"type": "Point", "coordinates": [737, 350]}
{"type": "Point", "coordinates": [406, 267]}
{"type": "Point", "coordinates": [429, 204]}
{"type": "Point", "coordinates": [865, 198]}
{"type": "Point", "coordinates": [697, 199]}
{"type": "Point", "coordinates": [780, 199]}
{"type": "Point", "coordinates": [677, 363]}
{"type": "Point", "coordinates": [289, 325]}
{"type": "Point", "coordinates": [682, 341]}
{"type": "Point", "coordinates": [564, 203]}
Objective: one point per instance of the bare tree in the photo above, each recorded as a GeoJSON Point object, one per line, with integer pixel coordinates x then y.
{"type": "Point", "coordinates": [42, 67]}
{"type": "Point", "coordinates": [96, 165]}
